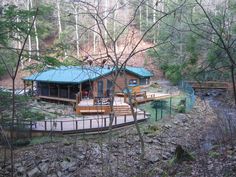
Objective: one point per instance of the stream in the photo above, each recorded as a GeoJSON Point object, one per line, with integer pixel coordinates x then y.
{"type": "Point", "coordinates": [225, 126]}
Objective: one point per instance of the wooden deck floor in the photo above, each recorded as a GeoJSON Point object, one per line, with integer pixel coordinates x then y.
{"type": "Point", "coordinates": [154, 96]}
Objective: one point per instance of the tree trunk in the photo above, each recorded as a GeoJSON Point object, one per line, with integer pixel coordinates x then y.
{"type": "Point", "coordinates": [29, 40]}
{"type": "Point", "coordinates": [154, 19]}
{"type": "Point", "coordinates": [140, 19]}
{"type": "Point", "coordinates": [147, 9]}
{"type": "Point", "coordinates": [233, 82]}
{"type": "Point", "coordinates": [114, 22]}
{"type": "Point", "coordinates": [12, 126]}
{"type": "Point", "coordinates": [77, 30]}
{"type": "Point", "coordinates": [95, 29]}
{"type": "Point", "coordinates": [105, 20]}
{"type": "Point", "coordinates": [59, 18]}
{"type": "Point", "coordinates": [36, 34]}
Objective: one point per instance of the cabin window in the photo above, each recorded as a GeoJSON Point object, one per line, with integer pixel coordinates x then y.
{"type": "Point", "coordinates": [133, 82]}
{"type": "Point", "coordinates": [144, 81]}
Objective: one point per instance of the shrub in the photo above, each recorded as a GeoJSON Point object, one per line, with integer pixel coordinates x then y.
{"type": "Point", "coordinates": [172, 72]}
{"type": "Point", "coordinates": [21, 142]}
{"type": "Point", "coordinates": [30, 115]}
{"type": "Point", "coordinates": [181, 107]}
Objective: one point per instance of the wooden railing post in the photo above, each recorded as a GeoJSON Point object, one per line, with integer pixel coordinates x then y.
{"type": "Point", "coordinates": [91, 124]}
{"type": "Point", "coordinates": [144, 114]}
{"type": "Point", "coordinates": [115, 120]}
{"type": "Point", "coordinates": [105, 122]}
{"type": "Point", "coordinates": [45, 125]}
{"type": "Point", "coordinates": [125, 98]}
{"type": "Point", "coordinates": [125, 118]}
{"type": "Point", "coordinates": [61, 125]}
{"type": "Point", "coordinates": [83, 122]}
{"type": "Point", "coordinates": [76, 125]}
{"type": "Point", "coordinates": [30, 128]}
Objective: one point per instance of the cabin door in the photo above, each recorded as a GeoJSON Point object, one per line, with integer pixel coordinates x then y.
{"type": "Point", "coordinates": [109, 88]}
{"type": "Point", "coordinates": [100, 88]}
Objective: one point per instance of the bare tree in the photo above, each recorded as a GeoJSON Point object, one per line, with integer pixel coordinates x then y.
{"type": "Point", "coordinates": [118, 59]}
{"type": "Point", "coordinates": [13, 73]}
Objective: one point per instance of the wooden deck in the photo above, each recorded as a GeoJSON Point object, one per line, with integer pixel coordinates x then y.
{"type": "Point", "coordinates": [152, 97]}
{"type": "Point", "coordinates": [87, 124]}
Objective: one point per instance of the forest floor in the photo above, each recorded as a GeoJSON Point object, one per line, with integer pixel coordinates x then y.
{"type": "Point", "coordinates": [201, 132]}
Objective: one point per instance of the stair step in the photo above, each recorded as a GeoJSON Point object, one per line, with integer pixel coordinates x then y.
{"type": "Point", "coordinates": [121, 110]}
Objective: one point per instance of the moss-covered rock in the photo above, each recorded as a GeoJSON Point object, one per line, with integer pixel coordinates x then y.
{"type": "Point", "coordinates": [182, 155]}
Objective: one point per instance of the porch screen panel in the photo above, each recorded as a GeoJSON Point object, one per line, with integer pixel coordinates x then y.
{"type": "Point", "coordinates": [73, 91]}
{"type": "Point", "coordinates": [44, 89]}
{"type": "Point", "coordinates": [53, 91]}
{"type": "Point", "coordinates": [63, 92]}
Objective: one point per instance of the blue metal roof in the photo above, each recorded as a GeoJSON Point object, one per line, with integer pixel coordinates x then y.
{"type": "Point", "coordinates": [78, 74]}
{"type": "Point", "coordinates": [141, 72]}
{"type": "Point", "coordinates": [69, 74]}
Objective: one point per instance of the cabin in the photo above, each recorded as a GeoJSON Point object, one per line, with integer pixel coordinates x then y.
{"type": "Point", "coordinates": [72, 84]}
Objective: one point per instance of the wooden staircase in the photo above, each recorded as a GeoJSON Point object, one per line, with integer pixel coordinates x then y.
{"type": "Point", "coordinates": [121, 110]}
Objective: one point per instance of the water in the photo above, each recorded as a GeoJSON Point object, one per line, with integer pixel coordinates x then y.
{"type": "Point", "coordinates": [225, 125]}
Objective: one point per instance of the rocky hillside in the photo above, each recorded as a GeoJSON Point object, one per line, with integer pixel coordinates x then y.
{"type": "Point", "coordinates": [90, 155]}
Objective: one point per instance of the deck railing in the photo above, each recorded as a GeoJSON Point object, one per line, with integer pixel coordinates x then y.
{"type": "Point", "coordinates": [84, 124]}
{"type": "Point", "coordinates": [101, 101]}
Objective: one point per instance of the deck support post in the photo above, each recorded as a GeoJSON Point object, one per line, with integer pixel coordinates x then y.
{"type": "Point", "coordinates": [31, 129]}
{"type": "Point", "coordinates": [61, 125]}
{"type": "Point", "coordinates": [91, 124]}
{"type": "Point", "coordinates": [45, 125]}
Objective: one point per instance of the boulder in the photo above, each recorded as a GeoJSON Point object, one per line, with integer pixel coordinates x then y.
{"type": "Point", "coordinates": [182, 155]}
{"type": "Point", "coordinates": [43, 167]}
{"type": "Point", "coordinates": [35, 172]}
{"type": "Point", "coordinates": [151, 157]}
{"type": "Point", "coordinates": [65, 165]}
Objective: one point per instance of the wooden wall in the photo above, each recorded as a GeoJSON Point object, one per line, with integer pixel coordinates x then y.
{"type": "Point", "coordinates": [119, 86]}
